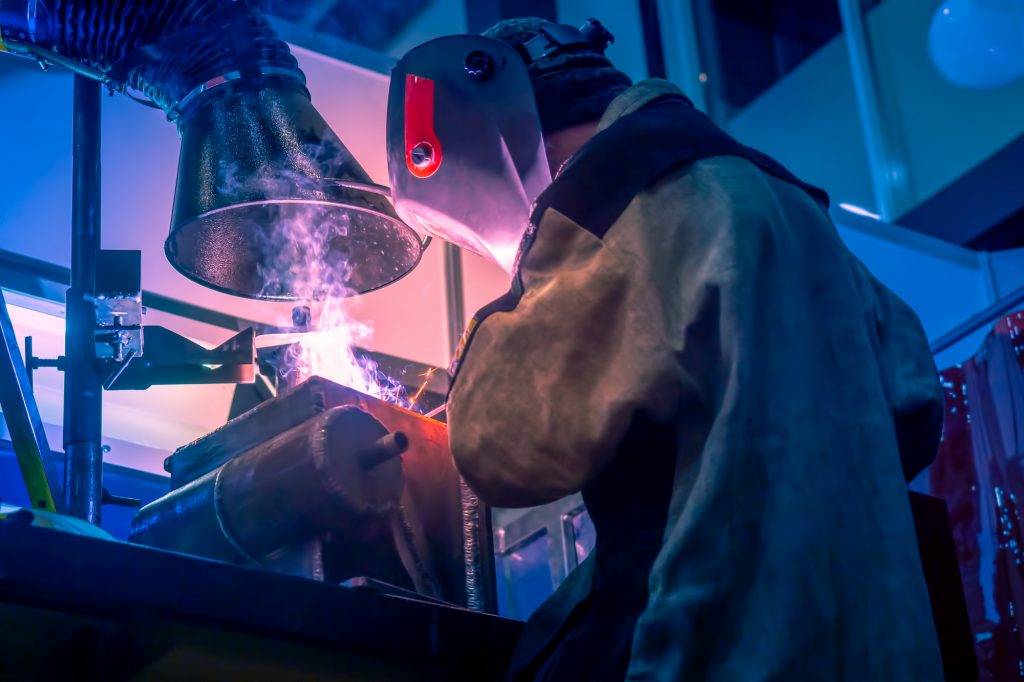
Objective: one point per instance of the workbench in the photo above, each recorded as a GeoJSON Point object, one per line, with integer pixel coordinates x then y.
{"type": "Point", "coordinates": [75, 607]}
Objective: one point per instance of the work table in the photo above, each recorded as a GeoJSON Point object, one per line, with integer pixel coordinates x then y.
{"type": "Point", "coordinates": [87, 608]}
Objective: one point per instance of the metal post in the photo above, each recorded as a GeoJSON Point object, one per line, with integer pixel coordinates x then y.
{"type": "Point", "coordinates": [712, 76]}
{"type": "Point", "coordinates": [888, 175]}
{"type": "Point", "coordinates": [455, 297]}
{"type": "Point", "coordinates": [683, 62]}
{"type": "Point", "coordinates": [471, 516]}
{"type": "Point", "coordinates": [83, 382]}
{"type": "Point", "coordinates": [654, 50]}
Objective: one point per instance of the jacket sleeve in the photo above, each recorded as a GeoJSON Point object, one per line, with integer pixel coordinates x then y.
{"type": "Point", "coordinates": [546, 392]}
{"type": "Point", "coordinates": [911, 381]}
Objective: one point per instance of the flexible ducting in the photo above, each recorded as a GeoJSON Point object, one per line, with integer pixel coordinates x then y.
{"type": "Point", "coordinates": [269, 203]}
{"type": "Point", "coordinates": [163, 50]}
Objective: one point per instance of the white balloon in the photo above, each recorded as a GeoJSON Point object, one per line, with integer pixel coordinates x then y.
{"type": "Point", "coordinates": [979, 43]}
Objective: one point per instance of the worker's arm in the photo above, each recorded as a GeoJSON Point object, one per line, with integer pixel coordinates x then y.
{"type": "Point", "coordinates": [911, 381]}
{"type": "Point", "coordinates": [546, 392]}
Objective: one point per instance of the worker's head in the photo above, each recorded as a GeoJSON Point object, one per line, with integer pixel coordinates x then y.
{"type": "Point", "coordinates": [573, 82]}
{"type": "Point", "coordinates": [475, 124]}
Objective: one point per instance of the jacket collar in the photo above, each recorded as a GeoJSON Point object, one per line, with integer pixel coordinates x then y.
{"type": "Point", "coordinates": [631, 99]}
{"type": "Point", "coordinates": [635, 98]}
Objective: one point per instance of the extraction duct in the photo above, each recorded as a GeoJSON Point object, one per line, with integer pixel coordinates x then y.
{"type": "Point", "coordinates": [264, 185]}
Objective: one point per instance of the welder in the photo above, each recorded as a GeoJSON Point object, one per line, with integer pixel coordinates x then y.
{"type": "Point", "coordinates": [689, 343]}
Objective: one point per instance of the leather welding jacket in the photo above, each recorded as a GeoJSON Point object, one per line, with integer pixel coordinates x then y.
{"type": "Point", "coordinates": [689, 342]}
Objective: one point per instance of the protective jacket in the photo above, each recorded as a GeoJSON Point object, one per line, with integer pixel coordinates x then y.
{"type": "Point", "coordinates": [689, 342]}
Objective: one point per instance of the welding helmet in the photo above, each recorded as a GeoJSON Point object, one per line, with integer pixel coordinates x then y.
{"type": "Point", "coordinates": [465, 151]}
{"type": "Point", "coordinates": [466, 155]}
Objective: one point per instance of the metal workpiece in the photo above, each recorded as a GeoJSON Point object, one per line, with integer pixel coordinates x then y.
{"type": "Point", "coordinates": [190, 520]}
{"type": "Point", "coordinates": [298, 485]}
{"type": "Point", "coordinates": [426, 532]}
{"type": "Point", "coordinates": [273, 417]}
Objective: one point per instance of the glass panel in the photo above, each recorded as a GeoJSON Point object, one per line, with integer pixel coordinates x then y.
{"type": "Point", "coordinates": [524, 576]}
{"type": "Point", "coordinates": [386, 27]}
{"type": "Point", "coordinates": [584, 535]}
{"type": "Point", "coordinates": [374, 25]}
{"type": "Point", "coordinates": [950, 81]}
{"type": "Point", "coordinates": [747, 47]}
{"type": "Point", "coordinates": [777, 77]}
{"type": "Point", "coordinates": [623, 19]}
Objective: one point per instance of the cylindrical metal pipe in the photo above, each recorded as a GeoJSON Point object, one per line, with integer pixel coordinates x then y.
{"type": "Point", "coordinates": [83, 382]}
{"type": "Point", "coordinates": [387, 447]}
{"type": "Point", "coordinates": [1003, 306]}
{"type": "Point", "coordinates": [300, 483]}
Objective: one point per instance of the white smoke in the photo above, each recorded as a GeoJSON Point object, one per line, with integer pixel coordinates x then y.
{"type": "Point", "coordinates": [302, 258]}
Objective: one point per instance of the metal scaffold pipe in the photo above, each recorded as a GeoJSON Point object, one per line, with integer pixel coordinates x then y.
{"type": "Point", "coordinates": [83, 381]}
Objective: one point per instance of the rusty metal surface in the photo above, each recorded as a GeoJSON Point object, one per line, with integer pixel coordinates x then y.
{"type": "Point", "coordinates": [431, 524]}
{"type": "Point", "coordinates": [301, 484]}
{"type": "Point", "coordinates": [248, 430]}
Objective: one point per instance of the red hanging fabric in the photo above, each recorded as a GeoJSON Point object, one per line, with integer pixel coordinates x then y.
{"type": "Point", "coordinates": [979, 471]}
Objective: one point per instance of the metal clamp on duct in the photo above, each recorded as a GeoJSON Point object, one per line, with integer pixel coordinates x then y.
{"type": "Point", "coordinates": [330, 471]}
{"type": "Point", "coordinates": [257, 160]}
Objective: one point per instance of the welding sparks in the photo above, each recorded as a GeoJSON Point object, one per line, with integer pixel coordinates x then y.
{"type": "Point", "coordinates": [329, 352]}
{"type": "Point", "coordinates": [426, 380]}
{"type": "Point", "coordinates": [301, 260]}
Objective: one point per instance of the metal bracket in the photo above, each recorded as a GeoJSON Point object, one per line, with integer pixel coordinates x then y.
{"type": "Point", "coordinates": [136, 356]}
{"type": "Point", "coordinates": [32, 363]}
{"type": "Point", "coordinates": [118, 305]}
{"type": "Point", "coordinates": [118, 501]}
{"type": "Point", "coordinates": [172, 359]}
